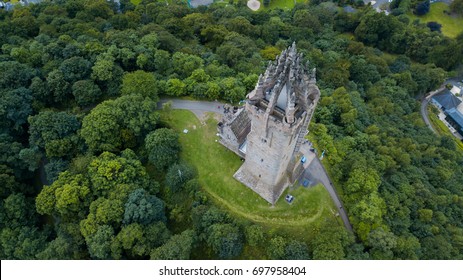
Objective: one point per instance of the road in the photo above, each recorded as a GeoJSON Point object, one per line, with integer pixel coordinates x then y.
{"type": "Point", "coordinates": [199, 108]}
{"type": "Point", "coordinates": [424, 106]}
{"type": "Point", "coordinates": [315, 169]}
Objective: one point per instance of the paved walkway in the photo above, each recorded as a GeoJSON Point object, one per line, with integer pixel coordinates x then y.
{"type": "Point", "coordinates": [315, 170]}
{"type": "Point", "coordinates": [199, 108]}
{"type": "Point", "coordinates": [424, 106]}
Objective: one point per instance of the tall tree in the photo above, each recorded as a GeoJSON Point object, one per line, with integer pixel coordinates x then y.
{"type": "Point", "coordinates": [59, 86]}
{"type": "Point", "coordinates": [422, 8]}
{"type": "Point", "coordinates": [75, 69]}
{"type": "Point", "coordinates": [54, 132]}
{"type": "Point", "coordinates": [184, 64]}
{"type": "Point", "coordinates": [226, 240]}
{"type": "Point", "coordinates": [178, 247]}
{"type": "Point", "coordinates": [163, 147]}
{"type": "Point", "coordinates": [457, 6]}
{"type": "Point", "coordinates": [143, 208]}
{"type": "Point", "coordinates": [15, 107]}
{"type": "Point", "coordinates": [86, 92]}
{"type": "Point", "coordinates": [21, 243]}
{"type": "Point", "coordinates": [99, 244]}
{"type": "Point", "coordinates": [68, 197]}
{"type": "Point", "coordinates": [15, 75]}
{"type": "Point", "coordinates": [117, 124]}
{"type": "Point", "coordinates": [108, 172]}
{"type": "Point", "coordinates": [296, 250]}
{"type": "Point", "coordinates": [140, 82]}
{"type": "Point", "coordinates": [178, 175]}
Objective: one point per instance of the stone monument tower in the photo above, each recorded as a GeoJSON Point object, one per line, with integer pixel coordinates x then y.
{"type": "Point", "coordinates": [269, 130]}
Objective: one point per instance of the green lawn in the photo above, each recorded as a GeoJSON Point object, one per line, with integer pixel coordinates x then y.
{"type": "Point", "coordinates": [451, 25]}
{"type": "Point", "coordinates": [135, 2]}
{"type": "Point", "coordinates": [441, 128]}
{"type": "Point", "coordinates": [283, 4]}
{"type": "Point", "coordinates": [216, 166]}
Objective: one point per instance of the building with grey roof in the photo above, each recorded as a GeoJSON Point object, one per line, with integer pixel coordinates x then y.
{"type": "Point", "coordinates": [446, 100]}
{"type": "Point", "coordinates": [455, 119]}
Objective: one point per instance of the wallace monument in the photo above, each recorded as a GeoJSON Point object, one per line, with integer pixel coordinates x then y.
{"type": "Point", "coordinates": [269, 130]}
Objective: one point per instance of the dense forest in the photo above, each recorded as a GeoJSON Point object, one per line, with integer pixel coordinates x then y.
{"type": "Point", "coordinates": [79, 129]}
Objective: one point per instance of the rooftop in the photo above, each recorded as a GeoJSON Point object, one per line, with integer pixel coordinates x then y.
{"type": "Point", "coordinates": [456, 116]}
{"type": "Point", "coordinates": [447, 100]}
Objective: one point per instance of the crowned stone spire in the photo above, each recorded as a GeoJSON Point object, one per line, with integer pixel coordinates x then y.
{"type": "Point", "coordinates": [284, 80]}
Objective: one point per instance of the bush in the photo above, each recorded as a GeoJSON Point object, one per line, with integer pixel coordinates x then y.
{"type": "Point", "coordinates": [422, 8]}
{"type": "Point", "coordinates": [434, 26]}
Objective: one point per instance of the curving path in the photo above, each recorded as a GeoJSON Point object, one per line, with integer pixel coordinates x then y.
{"type": "Point", "coordinates": [316, 169]}
{"type": "Point", "coordinates": [424, 106]}
{"type": "Point", "coordinates": [199, 108]}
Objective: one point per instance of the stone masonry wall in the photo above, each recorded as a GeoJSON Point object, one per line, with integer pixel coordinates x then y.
{"type": "Point", "coordinates": [270, 151]}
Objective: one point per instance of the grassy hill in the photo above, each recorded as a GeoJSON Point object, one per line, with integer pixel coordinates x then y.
{"type": "Point", "coordinates": [216, 165]}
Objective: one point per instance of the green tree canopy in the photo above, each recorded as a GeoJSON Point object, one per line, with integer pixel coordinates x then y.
{"type": "Point", "coordinates": [457, 6]}
{"type": "Point", "coordinates": [143, 208]}
{"type": "Point", "coordinates": [86, 92]}
{"type": "Point", "coordinates": [175, 87]}
{"type": "Point", "coordinates": [18, 211]}
{"type": "Point", "coordinates": [75, 69]}
{"type": "Point", "coordinates": [15, 75]}
{"type": "Point", "coordinates": [226, 240]}
{"type": "Point", "coordinates": [23, 243]}
{"type": "Point", "coordinates": [15, 107]}
{"type": "Point", "coordinates": [296, 250]}
{"type": "Point", "coordinates": [140, 82]}
{"type": "Point", "coordinates": [54, 132]}
{"type": "Point", "coordinates": [184, 64]}
{"type": "Point", "coordinates": [276, 248]}
{"type": "Point", "coordinates": [254, 235]}
{"type": "Point", "coordinates": [178, 247]}
{"type": "Point", "coordinates": [117, 124]}
{"type": "Point", "coordinates": [178, 175]}
{"type": "Point", "coordinates": [68, 196]}
{"type": "Point", "coordinates": [30, 157]}
{"type": "Point", "coordinates": [331, 244]}
{"type": "Point", "coordinates": [108, 172]}
{"type": "Point", "coordinates": [163, 147]}
{"type": "Point", "coordinates": [99, 244]}
{"type": "Point", "coordinates": [54, 167]}
{"type": "Point", "coordinates": [9, 154]}
{"type": "Point", "coordinates": [58, 86]}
